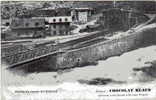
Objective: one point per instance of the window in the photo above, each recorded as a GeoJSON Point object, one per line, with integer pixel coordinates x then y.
{"type": "Point", "coordinates": [36, 24]}
{"type": "Point", "coordinates": [46, 23]}
{"type": "Point", "coordinates": [66, 19]}
{"type": "Point", "coordinates": [61, 26]}
{"type": "Point", "coordinates": [66, 32]}
{"type": "Point", "coordinates": [54, 26]}
{"type": "Point", "coordinates": [54, 20]}
{"type": "Point", "coordinates": [66, 26]}
{"type": "Point", "coordinates": [27, 24]}
{"type": "Point", "coordinates": [7, 23]}
{"type": "Point", "coordinates": [54, 32]}
{"type": "Point", "coordinates": [60, 20]}
{"type": "Point", "coordinates": [56, 13]}
{"type": "Point", "coordinates": [60, 31]}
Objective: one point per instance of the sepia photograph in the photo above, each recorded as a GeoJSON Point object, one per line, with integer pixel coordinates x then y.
{"type": "Point", "coordinates": [78, 44]}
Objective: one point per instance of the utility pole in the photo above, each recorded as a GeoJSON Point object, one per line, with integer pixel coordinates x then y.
{"type": "Point", "coordinates": [114, 3]}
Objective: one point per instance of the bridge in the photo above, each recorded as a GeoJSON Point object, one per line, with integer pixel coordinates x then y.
{"type": "Point", "coordinates": [19, 54]}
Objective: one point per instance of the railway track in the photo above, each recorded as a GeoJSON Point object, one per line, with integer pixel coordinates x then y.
{"type": "Point", "coordinates": [24, 55]}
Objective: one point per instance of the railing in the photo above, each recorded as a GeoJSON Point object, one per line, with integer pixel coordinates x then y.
{"type": "Point", "coordinates": [28, 54]}
{"type": "Point", "coordinates": [13, 49]}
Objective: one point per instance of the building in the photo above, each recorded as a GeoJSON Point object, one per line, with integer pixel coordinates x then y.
{"type": "Point", "coordinates": [28, 27]}
{"type": "Point", "coordinates": [58, 20]}
{"type": "Point", "coordinates": [59, 25]}
{"type": "Point", "coordinates": [81, 14]}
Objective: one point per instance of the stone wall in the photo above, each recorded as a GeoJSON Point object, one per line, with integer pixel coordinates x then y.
{"type": "Point", "coordinates": [102, 50]}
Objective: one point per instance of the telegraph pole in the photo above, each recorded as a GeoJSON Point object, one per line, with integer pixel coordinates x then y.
{"type": "Point", "coordinates": [114, 3]}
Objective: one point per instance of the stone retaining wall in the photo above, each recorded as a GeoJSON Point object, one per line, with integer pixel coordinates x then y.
{"type": "Point", "coordinates": [102, 50]}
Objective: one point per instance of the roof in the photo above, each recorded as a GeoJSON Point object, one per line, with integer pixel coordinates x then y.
{"type": "Point", "coordinates": [49, 8]}
{"type": "Point", "coordinates": [82, 9]}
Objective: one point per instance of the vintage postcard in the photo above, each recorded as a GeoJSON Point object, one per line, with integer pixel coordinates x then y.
{"type": "Point", "coordinates": [78, 50]}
